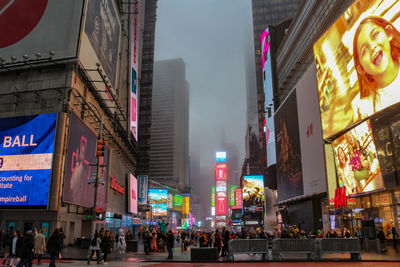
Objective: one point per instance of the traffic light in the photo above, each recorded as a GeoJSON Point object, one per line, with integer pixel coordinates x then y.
{"type": "Point", "coordinates": [100, 148]}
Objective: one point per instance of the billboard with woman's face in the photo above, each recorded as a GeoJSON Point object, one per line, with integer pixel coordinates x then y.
{"type": "Point", "coordinates": [357, 63]}
{"type": "Point", "coordinates": [356, 161]}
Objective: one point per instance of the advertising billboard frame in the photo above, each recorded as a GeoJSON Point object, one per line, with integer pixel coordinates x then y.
{"type": "Point", "coordinates": [29, 34]}
{"type": "Point", "coordinates": [157, 193]}
{"type": "Point", "coordinates": [132, 181]}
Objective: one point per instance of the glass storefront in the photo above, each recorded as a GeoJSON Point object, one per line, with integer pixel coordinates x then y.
{"type": "Point", "coordinates": [381, 207]}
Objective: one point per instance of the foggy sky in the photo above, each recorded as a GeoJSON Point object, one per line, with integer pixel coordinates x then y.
{"type": "Point", "coordinates": [211, 37]}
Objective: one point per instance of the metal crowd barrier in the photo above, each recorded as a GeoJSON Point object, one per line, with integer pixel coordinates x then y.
{"type": "Point", "coordinates": [248, 246]}
{"type": "Point", "coordinates": [339, 245]}
{"type": "Point", "coordinates": [294, 246]}
{"type": "Point", "coordinates": [314, 248]}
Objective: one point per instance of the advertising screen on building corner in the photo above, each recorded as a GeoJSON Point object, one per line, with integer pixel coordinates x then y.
{"type": "Point", "coordinates": [357, 62]}
{"type": "Point", "coordinates": [220, 171]}
{"type": "Point", "coordinates": [26, 154]}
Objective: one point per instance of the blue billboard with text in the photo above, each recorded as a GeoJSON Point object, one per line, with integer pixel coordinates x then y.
{"type": "Point", "coordinates": [26, 155]}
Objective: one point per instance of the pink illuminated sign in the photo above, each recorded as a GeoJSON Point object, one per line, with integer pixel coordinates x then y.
{"type": "Point", "coordinates": [264, 46]}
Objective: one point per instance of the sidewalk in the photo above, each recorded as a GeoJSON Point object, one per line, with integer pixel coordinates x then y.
{"type": "Point", "coordinates": [71, 253]}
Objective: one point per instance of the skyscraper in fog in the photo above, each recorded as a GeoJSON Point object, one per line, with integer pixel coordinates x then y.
{"type": "Point", "coordinates": [169, 148]}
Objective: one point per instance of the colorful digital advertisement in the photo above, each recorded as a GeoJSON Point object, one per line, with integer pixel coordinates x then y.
{"type": "Point", "coordinates": [356, 160]}
{"type": "Point", "coordinates": [158, 200]}
{"type": "Point", "coordinates": [232, 189]}
{"type": "Point", "coordinates": [253, 192]}
{"type": "Point", "coordinates": [357, 62]}
{"type": "Point", "coordinates": [220, 171]}
{"type": "Point", "coordinates": [238, 199]}
{"type": "Point", "coordinates": [220, 156]}
{"type": "Point", "coordinates": [178, 201]}
{"type": "Point", "coordinates": [26, 155]}
{"type": "Point", "coordinates": [213, 196]}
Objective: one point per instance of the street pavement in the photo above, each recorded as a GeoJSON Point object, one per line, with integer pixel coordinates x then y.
{"type": "Point", "coordinates": [77, 257]}
{"type": "Point", "coordinates": [230, 264]}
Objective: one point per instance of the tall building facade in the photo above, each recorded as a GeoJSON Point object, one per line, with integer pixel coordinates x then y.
{"type": "Point", "coordinates": [65, 95]}
{"type": "Point", "coordinates": [169, 148]}
{"type": "Point", "coordinates": [266, 12]}
{"type": "Point", "coordinates": [146, 84]}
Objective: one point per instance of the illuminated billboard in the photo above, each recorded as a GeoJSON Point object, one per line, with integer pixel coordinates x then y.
{"type": "Point", "coordinates": [221, 205]}
{"type": "Point", "coordinates": [220, 186]}
{"type": "Point", "coordinates": [186, 205]}
{"type": "Point", "coordinates": [253, 192]}
{"type": "Point", "coordinates": [134, 25]}
{"type": "Point", "coordinates": [220, 157]}
{"type": "Point", "coordinates": [357, 62]}
{"type": "Point", "coordinates": [132, 197]}
{"type": "Point", "coordinates": [158, 200]}
{"type": "Point", "coordinates": [356, 160]}
{"type": "Point", "coordinates": [220, 171]}
{"type": "Point", "coordinates": [26, 155]}
{"type": "Point", "coordinates": [178, 201]}
{"type": "Point", "coordinates": [269, 96]}
{"type": "Point", "coordinates": [81, 153]}
{"type": "Point", "coordinates": [238, 199]}
{"type": "Point", "coordinates": [232, 189]}
{"type": "Point", "coordinates": [170, 201]}
{"type": "Point", "coordinates": [288, 152]}
{"type": "Point", "coordinates": [213, 196]}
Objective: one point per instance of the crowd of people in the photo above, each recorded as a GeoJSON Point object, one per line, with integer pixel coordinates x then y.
{"type": "Point", "coordinates": [21, 248]}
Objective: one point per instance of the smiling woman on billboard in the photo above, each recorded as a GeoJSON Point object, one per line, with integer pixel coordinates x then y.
{"type": "Point", "coordinates": [376, 49]}
{"type": "Point", "coordinates": [357, 63]}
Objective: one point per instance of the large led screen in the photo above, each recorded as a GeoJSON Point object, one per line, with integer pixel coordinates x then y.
{"type": "Point", "coordinates": [81, 155]}
{"type": "Point", "coordinates": [288, 153]}
{"type": "Point", "coordinates": [158, 200]}
{"type": "Point", "coordinates": [269, 99]}
{"type": "Point", "coordinates": [26, 154]}
{"type": "Point", "coordinates": [221, 205]}
{"type": "Point", "coordinates": [356, 161]}
{"type": "Point", "coordinates": [357, 63]}
{"type": "Point", "coordinates": [253, 192]}
{"type": "Point", "coordinates": [178, 201]}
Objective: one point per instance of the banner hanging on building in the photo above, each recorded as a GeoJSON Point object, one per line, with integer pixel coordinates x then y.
{"type": "Point", "coordinates": [143, 189]}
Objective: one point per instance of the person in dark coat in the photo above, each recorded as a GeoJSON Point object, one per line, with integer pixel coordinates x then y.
{"type": "Point", "coordinates": [395, 238]}
{"type": "Point", "coordinates": [170, 245]}
{"type": "Point", "coordinates": [382, 239]}
{"type": "Point", "coordinates": [54, 246]}
{"type": "Point", "coordinates": [106, 244]}
{"type": "Point", "coordinates": [28, 247]}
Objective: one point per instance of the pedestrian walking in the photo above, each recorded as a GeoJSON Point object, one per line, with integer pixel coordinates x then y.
{"type": "Point", "coordinates": [53, 247]}
{"type": "Point", "coordinates": [28, 248]}
{"type": "Point", "coordinates": [106, 245]}
{"type": "Point", "coordinates": [218, 242]}
{"type": "Point", "coordinates": [360, 237]}
{"type": "Point", "coordinates": [95, 244]}
{"type": "Point", "coordinates": [395, 237]}
{"type": "Point", "coordinates": [40, 245]}
{"type": "Point", "coordinates": [170, 245]}
{"type": "Point", "coordinates": [121, 244]}
{"type": "Point", "coordinates": [7, 240]}
{"type": "Point", "coordinates": [14, 248]}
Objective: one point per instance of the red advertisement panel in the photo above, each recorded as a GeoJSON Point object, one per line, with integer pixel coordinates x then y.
{"type": "Point", "coordinates": [238, 199]}
{"type": "Point", "coordinates": [220, 171]}
{"type": "Point", "coordinates": [221, 206]}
